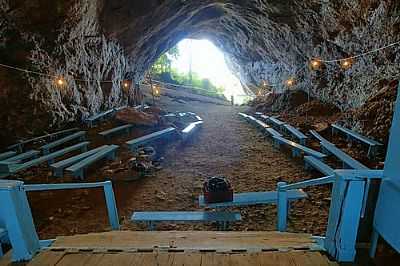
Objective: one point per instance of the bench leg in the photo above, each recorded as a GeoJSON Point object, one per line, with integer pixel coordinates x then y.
{"type": "Point", "coordinates": [80, 174]}
{"type": "Point", "coordinates": [307, 166]}
{"type": "Point", "coordinates": [151, 226]}
{"type": "Point", "coordinates": [111, 156]}
{"type": "Point", "coordinates": [374, 243]}
{"type": "Point", "coordinates": [58, 172]}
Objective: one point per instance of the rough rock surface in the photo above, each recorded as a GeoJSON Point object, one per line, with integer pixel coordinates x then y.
{"type": "Point", "coordinates": [111, 40]}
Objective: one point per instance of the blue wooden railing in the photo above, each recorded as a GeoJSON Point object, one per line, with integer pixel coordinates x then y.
{"type": "Point", "coordinates": [346, 210]}
{"type": "Point", "coordinates": [16, 217]}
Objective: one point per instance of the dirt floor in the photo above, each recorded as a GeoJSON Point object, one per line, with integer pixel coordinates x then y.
{"type": "Point", "coordinates": [225, 146]}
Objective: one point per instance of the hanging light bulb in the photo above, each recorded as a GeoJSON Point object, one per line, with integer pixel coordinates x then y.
{"type": "Point", "coordinates": [60, 81]}
{"type": "Point", "coordinates": [315, 64]}
{"type": "Point", "coordinates": [290, 82]}
{"type": "Point", "coordinates": [346, 63]}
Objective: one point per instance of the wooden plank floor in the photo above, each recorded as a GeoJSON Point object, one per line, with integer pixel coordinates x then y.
{"type": "Point", "coordinates": [293, 258]}
{"type": "Point", "coordinates": [172, 248]}
{"type": "Point", "coordinates": [186, 240]}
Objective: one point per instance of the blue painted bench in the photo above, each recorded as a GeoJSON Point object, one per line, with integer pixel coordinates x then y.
{"type": "Point", "coordinates": [116, 109]}
{"type": "Point", "coordinates": [191, 129]}
{"type": "Point", "coordinates": [297, 148]}
{"type": "Point", "coordinates": [100, 116]}
{"type": "Point", "coordinates": [319, 137]}
{"type": "Point", "coordinates": [243, 115]}
{"type": "Point", "coordinates": [312, 162]}
{"type": "Point", "coordinates": [258, 114]}
{"type": "Point", "coordinates": [78, 135]}
{"type": "Point", "coordinates": [296, 133]}
{"type": "Point", "coordinates": [264, 118]}
{"type": "Point", "coordinates": [20, 145]}
{"type": "Point", "coordinates": [348, 161]}
{"type": "Point", "coordinates": [58, 167]}
{"type": "Point", "coordinates": [78, 169]}
{"type": "Point", "coordinates": [23, 156]}
{"type": "Point", "coordinates": [272, 132]}
{"type": "Point", "coordinates": [253, 198]}
{"type": "Point", "coordinates": [374, 146]}
{"type": "Point", "coordinates": [107, 133]}
{"type": "Point", "coordinates": [260, 124]}
{"type": "Point", "coordinates": [185, 216]}
{"type": "Point", "coordinates": [6, 155]}
{"type": "Point", "coordinates": [7, 168]}
{"type": "Point", "coordinates": [278, 123]}
{"type": "Point", "coordinates": [135, 143]}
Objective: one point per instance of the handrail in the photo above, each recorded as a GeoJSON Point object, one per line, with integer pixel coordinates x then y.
{"type": "Point", "coordinates": [307, 183]}
{"type": "Point", "coordinates": [108, 193]}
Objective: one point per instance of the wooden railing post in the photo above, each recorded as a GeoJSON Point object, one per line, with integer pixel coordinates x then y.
{"type": "Point", "coordinates": [111, 205]}
{"type": "Point", "coordinates": [282, 207]}
{"type": "Point", "coordinates": [16, 217]}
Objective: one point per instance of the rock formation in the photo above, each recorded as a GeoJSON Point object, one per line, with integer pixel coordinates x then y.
{"type": "Point", "coordinates": [262, 39]}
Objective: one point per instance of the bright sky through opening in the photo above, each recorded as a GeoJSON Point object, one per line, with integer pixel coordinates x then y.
{"type": "Point", "coordinates": [208, 62]}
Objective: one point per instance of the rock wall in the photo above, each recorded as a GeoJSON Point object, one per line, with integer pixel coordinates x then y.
{"type": "Point", "coordinates": [262, 39]}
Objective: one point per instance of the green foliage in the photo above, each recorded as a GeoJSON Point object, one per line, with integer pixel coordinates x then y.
{"type": "Point", "coordinates": [162, 71]}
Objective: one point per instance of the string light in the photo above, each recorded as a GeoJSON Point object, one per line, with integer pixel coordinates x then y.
{"type": "Point", "coordinates": [346, 64]}
{"type": "Point", "coordinates": [60, 81]}
{"type": "Point", "coordinates": [290, 82]}
{"type": "Point", "coordinates": [315, 64]}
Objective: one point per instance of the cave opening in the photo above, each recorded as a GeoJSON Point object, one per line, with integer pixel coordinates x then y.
{"type": "Point", "coordinates": [199, 63]}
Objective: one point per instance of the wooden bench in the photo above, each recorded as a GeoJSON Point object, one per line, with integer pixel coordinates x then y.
{"type": "Point", "coordinates": [191, 129]}
{"type": "Point", "coordinates": [58, 167]}
{"type": "Point", "coordinates": [272, 132]}
{"type": "Point", "coordinates": [117, 109]}
{"type": "Point", "coordinates": [7, 155]}
{"type": "Point", "coordinates": [185, 216]}
{"type": "Point", "coordinates": [243, 115]}
{"type": "Point", "coordinates": [297, 148]}
{"type": "Point", "coordinates": [260, 124]}
{"type": "Point", "coordinates": [78, 169]}
{"type": "Point", "coordinates": [278, 123]}
{"type": "Point", "coordinates": [135, 143]}
{"type": "Point", "coordinates": [258, 114]}
{"type": "Point", "coordinates": [253, 198]}
{"type": "Point", "coordinates": [107, 133]}
{"type": "Point", "coordinates": [23, 156]}
{"type": "Point", "coordinates": [264, 118]}
{"type": "Point", "coordinates": [374, 146]}
{"type": "Point", "coordinates": [20, 145]}
{"type": "Point", "coordinates": [312, 162]}
{"type": "Point", "coordinates": [319, 137]}
{"type": "Point", "coordinates": [100, 116]}
{"type": "Point", "coordinates": [348, 161]}
{"type": "Point", "coordinates": [8, 168]}
{"type": "Point", "coordinates": [78, 135]}
{"type": "Point", "coordinates": [296, 133]}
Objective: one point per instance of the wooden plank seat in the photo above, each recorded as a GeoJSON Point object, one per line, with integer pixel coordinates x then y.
{"type": "Point", "coordinates": [191, 129]}
{"type": "Point", "coordinates": [58, 167]}
{"type": "Point", "coordinates": [312, 162]}
{"type": "Point", "coordinates": [258, 114]}
{"type": "Point", "coordinates": [296, 133]}
{"type": "Point", "coordinates": [100, 116]}
{"type": "Point", "coordinates": [78, 135]}
{"type": "Point", "coordinates": [78, 169]}
{"type": "Point", "coordinates": [316, 135]}
{"type": "Point", "coordinates": [8, 168]}
{"type": "Point", "coordinates": [8, 154]}
{"type": "Point", "coordinates": [185, 216]}
{"type": "Point", "coordinates": [264, 118]}
{"type": "Point", "coordinates": [374, 146]}
{"type": "Point", "coordinates": [260, 124]}
{"type": "Point", "coordinates": [297, 148]}
{"type": "Point", "coordinates": [108, 133]}
{"type": "Point", "coordinates": [135, 143]}
{"type": "Point", "coordinates": [278, 123]}
{"type": "Point", "coordinates": [272, 132]}
{"type": "Point", "coordinates": [348, 161]}
{"type": "Point", "coordinates": [23, 156]}
{"type": "Point", "coordinates": [243, 115]}
{"type": "Point", "coordinates": [253, 198]}
{"type": "Point", "coordinates": [116, 109]}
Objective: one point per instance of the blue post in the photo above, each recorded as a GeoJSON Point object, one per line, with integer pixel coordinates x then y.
{"type": "Point", "coordinates": [344, 218]}
{"type": "Point", "coordinates": [282, 207]}
{"type": "Point", "coordinates": [16, 216]}
{"type": "Point", "coordinates": [111, 205]}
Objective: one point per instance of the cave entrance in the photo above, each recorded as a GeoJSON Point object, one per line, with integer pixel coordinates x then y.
{"type": "Point", "coordinates": [200, 64]}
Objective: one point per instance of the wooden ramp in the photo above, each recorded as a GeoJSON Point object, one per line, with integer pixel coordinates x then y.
{"type": "Point", "coordinates": [183, 248]}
